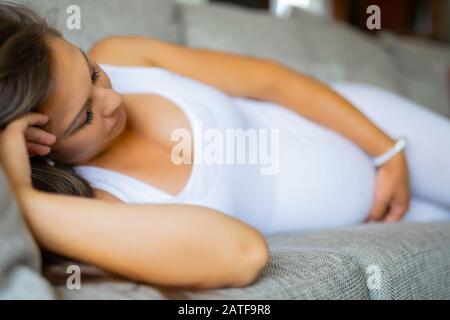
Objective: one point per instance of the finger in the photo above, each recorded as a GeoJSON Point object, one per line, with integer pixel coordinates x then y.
{"type": "Point", "coordinates": [395, 213]}
{"type": "Point", "coordinates": [379, 208]}
{"type": "Point", "coordinates": [398, 209]}
{"type": "Point", "coordinates": [30, 119]}
{"type": "Point", "coordinates": [39, 136]}
{"type": "Point", "coordinates": [37, 149]}
{"type": "Point", "coordinates": [37, 119]}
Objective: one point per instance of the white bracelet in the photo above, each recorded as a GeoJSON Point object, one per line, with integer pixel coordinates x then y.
{"type": "Point", "coordinates": [398, 147]}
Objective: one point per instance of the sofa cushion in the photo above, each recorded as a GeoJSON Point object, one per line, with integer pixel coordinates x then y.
{"type": "Point", "coordinates": [101, 18]}
{"type": "Point", "coordinates": [292, 273]}
{"type": "Point", "coordinates": [413, 260]}
{"type": "Point", "coordinates": [422, 70]}
{"type": "Point", "coordinates": [20, 276]}
{"type": "Point", "coordinates": [309, 44]}
{"type": "Point", "coordinates": [297, 273]}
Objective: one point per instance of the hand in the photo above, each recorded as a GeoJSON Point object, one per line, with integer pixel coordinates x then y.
{"type": "Point", "coordinates": [20, 140]}
{"type": "Point", "coordinates": [39, 141]}
{"type": "Point", "coordinates": [391, 191]}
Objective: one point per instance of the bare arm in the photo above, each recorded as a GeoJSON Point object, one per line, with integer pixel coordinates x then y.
{"type": "Point", "coordinates": [318, 102]}
{"type": "Point", "coordinates": [176, 245]}
{"type": "Point", "coordinates": [252, 78]}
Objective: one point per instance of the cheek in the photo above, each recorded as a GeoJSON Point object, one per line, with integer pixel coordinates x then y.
{"type": "Point", "coordinates": [82, 147]}
{"type": "Point", "coordinates": [73, 151]}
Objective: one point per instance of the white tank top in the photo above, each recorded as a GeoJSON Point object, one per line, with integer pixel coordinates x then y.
{"type": "Point", "coordinates": [301, 165]}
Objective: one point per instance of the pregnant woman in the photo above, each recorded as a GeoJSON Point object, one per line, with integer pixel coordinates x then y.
{"type": "Point", "coordinates": [88, 144]}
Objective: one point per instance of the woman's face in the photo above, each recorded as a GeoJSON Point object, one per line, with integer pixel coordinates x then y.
{"type": "Point", "coordinates": [86, 115]}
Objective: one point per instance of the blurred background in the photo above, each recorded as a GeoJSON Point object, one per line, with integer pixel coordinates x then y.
{"type": "Point", "coordinates": [330, 40]}
{"type": "Point", "coordinates": [409, 54]}
{"type": "Point", "coordinates": [421, 18]}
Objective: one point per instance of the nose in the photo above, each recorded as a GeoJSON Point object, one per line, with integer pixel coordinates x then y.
{"type": "Point", "coordinates": [111, 101]}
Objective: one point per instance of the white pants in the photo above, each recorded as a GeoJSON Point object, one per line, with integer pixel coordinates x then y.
{"type": "Point", "coordinates": [428, 150]}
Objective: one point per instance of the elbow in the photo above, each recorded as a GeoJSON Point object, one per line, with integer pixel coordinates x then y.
{"type": "Point", "coordinates": [242, 268]}
{"type": "Point", "coordinates": [253, 262]}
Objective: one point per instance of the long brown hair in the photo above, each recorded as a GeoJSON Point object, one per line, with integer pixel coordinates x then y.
{"type": "Point", "coordinates": [26, 80]}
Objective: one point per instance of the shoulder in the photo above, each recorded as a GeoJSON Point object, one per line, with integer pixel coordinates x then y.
{"type": "Point", "coordinates": [121, 50]}
{"type": "Point", "coordinates": [140, 51]}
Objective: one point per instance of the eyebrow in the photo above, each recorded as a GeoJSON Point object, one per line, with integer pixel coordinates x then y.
{"type": "Point", "coordinates": [71, 126]}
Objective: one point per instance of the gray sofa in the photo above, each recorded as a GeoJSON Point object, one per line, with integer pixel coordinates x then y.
{"type": "Point", "coordinates": [376, 261]}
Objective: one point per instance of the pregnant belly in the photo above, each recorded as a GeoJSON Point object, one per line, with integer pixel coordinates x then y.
{"type": "Point", "coordinates": [324, 180]}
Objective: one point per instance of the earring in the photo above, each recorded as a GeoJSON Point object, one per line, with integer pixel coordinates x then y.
{"type": "Point", "coordinates": [50, 162]}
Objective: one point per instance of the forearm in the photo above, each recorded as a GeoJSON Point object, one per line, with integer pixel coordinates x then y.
{"type": "Point", "coordinates": [319, 103]}
{"type": "Point", "coordinates": [159, 244]}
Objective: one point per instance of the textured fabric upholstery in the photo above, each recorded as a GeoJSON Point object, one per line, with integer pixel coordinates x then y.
{"type": "Point", "coordinates": [20, 276]}
{"type": "Point", "coordinates": [422, 69]}
{"type": "Point", "coordinates": [291, 273]}
{"type": "Point", "coordinates": [328, 51]}
{"type": "Point", "coordinates": [101, 18]}
{"type": "Point", "coordinates": [413, 262]}
{"type": "Point", "coordinates": [414, 259]}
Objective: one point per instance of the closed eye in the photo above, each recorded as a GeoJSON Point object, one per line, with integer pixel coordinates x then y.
{"type": "Point", "coordinates": [95, 73]}
{"type": "Point", "coordinates": [89, 117]}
